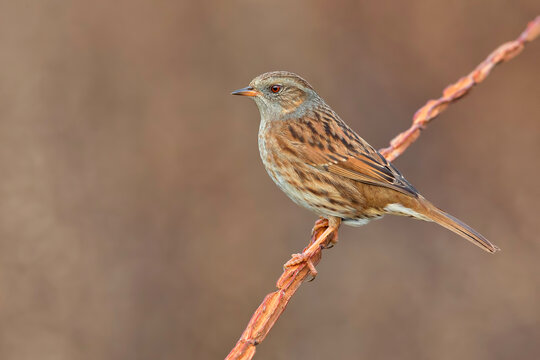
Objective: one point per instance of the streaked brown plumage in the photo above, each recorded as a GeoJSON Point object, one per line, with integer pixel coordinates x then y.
{"type": "Point", "coordinates": [324, 166]}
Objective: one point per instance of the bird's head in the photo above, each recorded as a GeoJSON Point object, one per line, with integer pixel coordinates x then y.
{"type": "Point", "coordinates": [280, 94]}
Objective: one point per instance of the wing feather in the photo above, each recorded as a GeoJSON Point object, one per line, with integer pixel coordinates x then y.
{"type": "Point", "coordinates": [328, 144]}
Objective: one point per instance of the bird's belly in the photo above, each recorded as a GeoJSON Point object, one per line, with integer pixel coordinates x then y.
{"type": "Point", "coordinates": [296, 191]}
{"type": "Point", "coordinates": [315, 189]}
{"type": "Point", "coordinates": [360, 221]}
{"type": "Point", "coordinates": [319, 192]}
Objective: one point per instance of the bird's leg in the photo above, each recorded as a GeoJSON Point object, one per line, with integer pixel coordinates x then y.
{"type": "Point", "coordinates": [333, 240]}
{"type": "Point", "coordinates": [318, 244]}
{"type": "Point", "coordinates": [319, 224]}
{"type": "Point", "coordinates": [323, 223]}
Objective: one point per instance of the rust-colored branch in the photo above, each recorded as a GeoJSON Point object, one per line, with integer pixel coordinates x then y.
{"type": "Point", "coordinates": [273, 304]}
{"type": "Point", "coordinates": [459, 89]}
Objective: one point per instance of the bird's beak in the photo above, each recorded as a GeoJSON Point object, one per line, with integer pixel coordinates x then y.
{"type": "Point", "coordinates": [247, 91]}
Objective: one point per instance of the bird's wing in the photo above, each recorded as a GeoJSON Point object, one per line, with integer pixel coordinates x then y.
{"type": "Point", "coordinates": [327, 143]}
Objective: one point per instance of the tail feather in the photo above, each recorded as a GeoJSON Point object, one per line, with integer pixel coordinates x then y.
{"type": "Point", "coordinates": [458, 227]}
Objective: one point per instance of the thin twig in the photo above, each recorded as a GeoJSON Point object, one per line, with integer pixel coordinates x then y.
{"type": "Point", "coordinates": [459, 89]}
{"type": "Point", "coordinates": [274, 303]}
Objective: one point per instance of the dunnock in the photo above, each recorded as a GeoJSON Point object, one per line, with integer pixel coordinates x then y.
{"type": "Point", "coordinates": [324, 166]}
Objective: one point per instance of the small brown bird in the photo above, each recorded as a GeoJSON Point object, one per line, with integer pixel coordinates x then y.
{"type": "Point", "coordinates": [324, 166]}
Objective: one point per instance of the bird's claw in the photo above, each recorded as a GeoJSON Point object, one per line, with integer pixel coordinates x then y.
{"type": "Point", "coordinates": [319, 224]}
{"type": "Point", "coordinates": [301, 258]}
{"type": "Point", "coordinates": [323, 223]}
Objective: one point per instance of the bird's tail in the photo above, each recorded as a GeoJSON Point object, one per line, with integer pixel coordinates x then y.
{"type": "Point", "coordinates": [457, 226]}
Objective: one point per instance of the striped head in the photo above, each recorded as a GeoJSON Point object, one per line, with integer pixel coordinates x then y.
{"type": "Point", "coordinates": [280, 95]}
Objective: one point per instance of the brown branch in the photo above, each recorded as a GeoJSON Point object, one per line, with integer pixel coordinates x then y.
{"type": "Point", "coordinates": [459, 89]}
{"type": "Point", "coordinates": [273, 304]}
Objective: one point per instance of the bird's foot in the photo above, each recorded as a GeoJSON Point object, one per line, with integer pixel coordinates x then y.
{"type": "Point", "coordinates": [333, 241]}
{"type": "Point", "coordinates": [328, 236]}
{"type": "Point", "coordinates": [297, 259]}
{"type": "Point", "coordinates": [323, 223]}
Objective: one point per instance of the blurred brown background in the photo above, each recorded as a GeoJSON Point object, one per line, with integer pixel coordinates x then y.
{"type": "Point", "coordinates": [137, 222]}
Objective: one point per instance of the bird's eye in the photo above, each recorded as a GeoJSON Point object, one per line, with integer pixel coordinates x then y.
{"type": "Point", "coordinates": [275, 88]}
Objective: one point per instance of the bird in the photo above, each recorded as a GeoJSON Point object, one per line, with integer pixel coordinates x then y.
{"type": "Point", "coordinates": [325, 166]}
